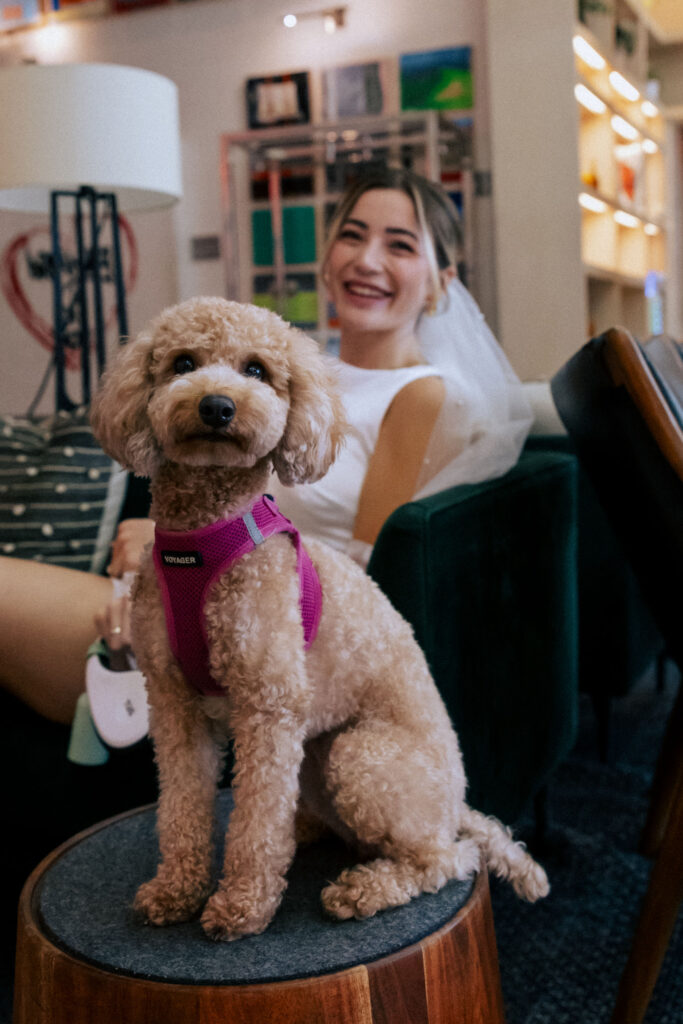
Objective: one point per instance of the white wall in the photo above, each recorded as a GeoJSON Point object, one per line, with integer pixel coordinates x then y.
{"type": "Point", "coordinates": [208, 48]}
{"type": "Point", "coordinates": [541, 298]}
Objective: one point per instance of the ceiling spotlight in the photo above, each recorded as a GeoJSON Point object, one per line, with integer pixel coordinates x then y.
{"type": "Point", "coordinates": [332, 18]}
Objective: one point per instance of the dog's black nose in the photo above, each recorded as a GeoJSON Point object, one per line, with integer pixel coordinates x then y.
{"type": "Point", "coordinates": [216, 410]}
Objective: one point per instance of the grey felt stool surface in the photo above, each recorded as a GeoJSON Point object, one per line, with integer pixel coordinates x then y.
{"type": "Point", "coordinates": [84, 903]}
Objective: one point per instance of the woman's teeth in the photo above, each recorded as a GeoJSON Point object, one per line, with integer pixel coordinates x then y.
{"type": "Point", "coordinates": [363, 290]}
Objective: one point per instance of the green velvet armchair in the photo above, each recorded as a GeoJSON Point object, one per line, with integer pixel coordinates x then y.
{"type": "Point", "coordinates": [486, 575]}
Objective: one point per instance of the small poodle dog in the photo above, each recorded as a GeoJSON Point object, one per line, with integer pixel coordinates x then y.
{"type": "Point", "coordinates": [342, 728]}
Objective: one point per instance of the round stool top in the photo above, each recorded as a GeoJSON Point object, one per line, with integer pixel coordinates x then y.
{"type": "Point", "coordinates": [84, 903]}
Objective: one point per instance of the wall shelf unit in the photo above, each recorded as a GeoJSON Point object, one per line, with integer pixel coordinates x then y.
{"type": "Point", "coordinates": [621, 139]}
{"type": "Point", "coordinates": [280, 187]}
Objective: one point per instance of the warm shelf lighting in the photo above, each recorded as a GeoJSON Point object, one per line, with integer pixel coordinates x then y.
{"type": "Point", "coordinates": [651, 229]}
{"type": "Point", "coordinates": [650, 146]}
{"type": "Point", "coordinates": [627, 220]}
{"type": "Point", "coordinates": [623, 87]}
{"type": "Point", "coordinates": [623, 128]}
{"type": "Point", "coordinates": [588, 99]}
{"type": "Point", "coordinates": [592, 203]}
{"type": "Point", "coordinates": [649, 109]}
{"type": "Point", "coordinates": [585, 52]}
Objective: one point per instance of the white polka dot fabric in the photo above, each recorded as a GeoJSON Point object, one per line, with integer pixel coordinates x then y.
{"type": "Point", "coordinates": [60, 495]}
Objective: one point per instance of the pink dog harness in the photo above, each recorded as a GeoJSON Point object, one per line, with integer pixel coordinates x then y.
{"type": "Point", "coordinates": [188, 563]}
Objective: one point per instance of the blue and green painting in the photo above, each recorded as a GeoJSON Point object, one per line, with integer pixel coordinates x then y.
{"type": "Point", "coordinates": [437, 79]}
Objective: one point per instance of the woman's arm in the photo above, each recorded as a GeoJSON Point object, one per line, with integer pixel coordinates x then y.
{"type": "Point", "coordinates": [395, 465]}
{"type": "Point", "coordinates": [46, 627]}
{"type": "Point", "coordinates": [50, 615]}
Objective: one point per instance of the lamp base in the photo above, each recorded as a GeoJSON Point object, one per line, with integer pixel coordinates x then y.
{"type": "Point", "coordinates": [78, 285]}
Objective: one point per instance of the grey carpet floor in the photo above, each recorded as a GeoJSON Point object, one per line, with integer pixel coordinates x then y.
{"type": "Point", "coordinates": [561, 959]}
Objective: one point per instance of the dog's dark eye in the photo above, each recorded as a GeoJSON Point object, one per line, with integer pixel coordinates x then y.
{"type": "Point", "coordinates": [183, 364]}
{"type": "Point", "coordinates": [255, 369]}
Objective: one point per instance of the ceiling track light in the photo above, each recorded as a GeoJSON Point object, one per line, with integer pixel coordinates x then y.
{"type": "Point", "coordinates": [333, 18]}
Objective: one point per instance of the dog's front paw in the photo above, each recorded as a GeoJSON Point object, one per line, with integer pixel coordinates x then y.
{"type": "Point", "coordinates": [228, 916]}
{"type": "Point", "coordinates": [161, 901]}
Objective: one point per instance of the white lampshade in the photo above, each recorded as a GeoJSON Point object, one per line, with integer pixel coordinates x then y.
{"type": "Point", "coordinates": [111, 127]}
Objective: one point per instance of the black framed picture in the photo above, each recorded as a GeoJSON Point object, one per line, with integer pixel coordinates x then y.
{"type": "Point", "coordinates": [278, 99]}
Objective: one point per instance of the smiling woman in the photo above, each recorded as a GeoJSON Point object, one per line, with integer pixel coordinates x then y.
{"type": "Point", "coordinates": [431, 397]}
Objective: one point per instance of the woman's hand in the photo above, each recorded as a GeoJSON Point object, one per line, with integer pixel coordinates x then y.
{"type": "Point", "coordinates": [113, 623]}
{"type": "Point", "coordinates": [132, 537]}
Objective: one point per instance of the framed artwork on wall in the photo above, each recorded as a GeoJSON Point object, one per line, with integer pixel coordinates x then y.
{"type": "Point", "coordinates": [354, 90]}
{"type": "Point", "coordinates": [437, 79]}
{"type": "Point", "coordinates": [15, 13]}
{"type": "Point", "coordinates": [278, 99]}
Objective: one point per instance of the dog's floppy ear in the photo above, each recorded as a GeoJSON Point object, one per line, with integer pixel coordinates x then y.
{"type": "Point", "coordinates": [119, 409]}
{"type": "Point", "coordinates": [316, 423]}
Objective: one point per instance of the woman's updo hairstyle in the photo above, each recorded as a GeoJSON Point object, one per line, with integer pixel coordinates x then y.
{"type": "Point", "coordinates": [436, 215]}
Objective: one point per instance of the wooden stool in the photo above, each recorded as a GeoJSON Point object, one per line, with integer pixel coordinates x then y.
{"type": "Point", "coordinates": [83, 955]}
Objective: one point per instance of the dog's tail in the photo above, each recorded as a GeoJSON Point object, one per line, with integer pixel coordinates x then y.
{"type": "Point", "coordinates": [505, 857]}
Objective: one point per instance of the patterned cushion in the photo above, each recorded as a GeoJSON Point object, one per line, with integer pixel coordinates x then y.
{"type": "Point", "coordinates": [60, 495]}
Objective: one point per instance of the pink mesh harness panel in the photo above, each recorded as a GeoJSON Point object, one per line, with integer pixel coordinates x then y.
{"type": "Point", "coordinates": [188, 562]}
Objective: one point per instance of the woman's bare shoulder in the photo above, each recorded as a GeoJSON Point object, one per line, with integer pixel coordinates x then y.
{"type": "Point", "coordinates": [423, 396]}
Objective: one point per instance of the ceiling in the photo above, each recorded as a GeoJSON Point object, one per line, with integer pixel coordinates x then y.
{"type": "Point", "coordinates": [664, 18]}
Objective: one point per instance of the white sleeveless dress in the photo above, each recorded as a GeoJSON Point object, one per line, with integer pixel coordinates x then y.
{"type": "Point", "coordinates": [327, 509]}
